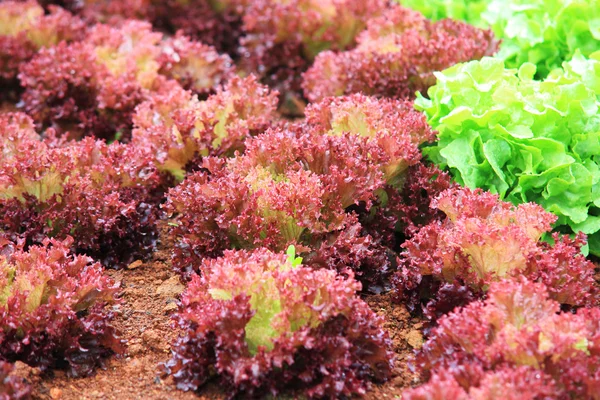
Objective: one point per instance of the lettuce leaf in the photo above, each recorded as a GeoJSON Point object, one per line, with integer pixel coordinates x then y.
{"type": "Point", "coordinates": [524, 139]}
{"type": "Point", "coordinates": [462, 10]}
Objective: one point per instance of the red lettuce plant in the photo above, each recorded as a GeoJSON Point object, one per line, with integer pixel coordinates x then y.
{"type": "Point", "coordinates": [52, 308]}
{"type": "Point", "coordinates": [513, 345]}
{"type": "Point", "coordinates": [483, 240]}
{"type": "Point", "coordinates": [310, 185]}
{"type": "Point", "coordinates": [93, 86]}
{"type": "Point", "coordinates": [397, 130]}
{"type": "Point", "coordinates": [282, 38]}
{"type": "Point", "coordinates": [177, 128]}
{"type": "Point", "coordinates": [25, 28]}
{"type": "Point", "coordinates": [260, 322]}
{"type": "Point", "coordinates": [274, 39]}
{"type": "Point", "coordinates": [214, 22]}
{"type": "Point", "coordinates": [67, 90]}
{"type": "Point", "coordinates": [12, 387]}
{"type": "Point", "coordinates": [392, 125]}
{"type": "Point", "coordinates": [101, 194]}
{"type": "Point", "coordinates": [292, 186]}
{"type": "Point", "coordinates": [136, 51]}
{"type": "Point", "coordinates": [517, 383]}
{"type": "Point", "coordinates": [195, 65]}
{"type": "Point", "coordinates": [396, 56]}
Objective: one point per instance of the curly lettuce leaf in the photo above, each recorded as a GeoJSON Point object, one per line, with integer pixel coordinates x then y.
{"type": "Point", "coordinates": [524, 139]}
{"type": "Point", "coordinates": [462, 10]}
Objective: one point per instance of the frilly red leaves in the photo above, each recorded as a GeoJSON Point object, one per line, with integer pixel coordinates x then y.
{"type": "Point", "coordinates": [196, 66]}
{"type": "Point", "coordinates": [216, 23]}
{"type": "Point", "coordinates": [64, 90]}
{"type": "Point", "coordinates": [521, 383]}
{"type": "Point", "coordinates": [282, 38]}
{"type": "Point", "coordinates": [53, 308]}
{"type": "Point", "coordinates": [401, 212]}
{"type": "Point", "coordinates": [101, 194]}
{"type": "Point", "coordinates": [292, 186]}
{"type": "Point", "coordinates": [513, 345]}
{"type": "Point", "coordinates": [178, 128]}
{"type": "Point", "coordinates": [396, 56]}
{"type": "Point", "coordinates": [483, 240]}
{"type": "Point", "coordinates": [17, 132]}
{"type": "Point", "coordinates": [332, 185]}
{"type": "Point", "coordinates": [261, 324]}
{"type": "Point", "coordinates": [392, 125]}
{"type": "Point", "coordinates": [25, 28]}
{"type": "Point", "coordinates": [315, 26]}
{"type": "Point", "coordinates": [93, 86]}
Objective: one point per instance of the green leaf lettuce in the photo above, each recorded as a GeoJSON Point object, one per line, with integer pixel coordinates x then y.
{"type": "Point", "coordinates": [527, 140]}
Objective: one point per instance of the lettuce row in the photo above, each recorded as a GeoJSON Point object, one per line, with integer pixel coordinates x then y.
{"type": "Point", "coordinates": [526, 140]}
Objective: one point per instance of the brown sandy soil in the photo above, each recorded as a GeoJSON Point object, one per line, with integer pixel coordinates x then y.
{"type": "Point", "coordinates": [150, 292]}
{"type": "Point", "coordinates": [406, 335]}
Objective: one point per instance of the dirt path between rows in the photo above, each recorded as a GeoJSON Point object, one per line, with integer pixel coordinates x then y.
{"type": "Point", "coordinates": [150, 292]}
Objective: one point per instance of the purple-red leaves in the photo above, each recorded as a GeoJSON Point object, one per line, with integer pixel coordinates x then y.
{"type": "Point", "coordinates": [282, 38]}
{"type": "Point", "coordinates": [292, 186]}
{"type": "Point", "coordinates": [310, 184]}
{"type": "Point", "coordinates": [196, 66]}
{"type": "Point", "coordinates": [25, 28]}
{"type": "Point", "coordinates": [483, 240]}
{"type": "Point", "coordinates": [66, 89]}
{"type": "Point", "coordinates": [423, 184]}
{"type": "Point", "coordinates": [568, 275]}
{"type": "Point", "coordinates": [52, 307]}
{"type": "Point", "coordinates": [263, 323]}
{"type": "Point", "coordinates": [16, 134]}
{"type": "Point", "coordinates": [392, 125]}
{"type": "Point", "coordinates": [489, 348]}
{"type": "Point", "coordinates": [521, 383]}
{"type": "Point", "coordinates": [215, 22]}
{"type": "Point", "coordinates": [396, 56]}
{"type": "Point", "coordinates": [92, 87]}
{"type": "Point", "coordinates": [310, 25]}
{"type": "Point", "coordinates": [177, 128]}
{"type": "Point", "coordinates": [403, 209]}
{"type": "Point", "coordinates": [98, 193]}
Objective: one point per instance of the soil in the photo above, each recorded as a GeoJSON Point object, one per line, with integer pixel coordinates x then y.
{"type": "Point", "coordinates": [150, 293]}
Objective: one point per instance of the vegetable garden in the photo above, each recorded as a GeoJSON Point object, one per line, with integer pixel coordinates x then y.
{"type": "Point", "coordinates": [300, 199]}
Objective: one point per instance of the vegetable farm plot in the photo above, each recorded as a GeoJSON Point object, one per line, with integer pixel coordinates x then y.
{"type": "Point", "coordinates": [300, 199]}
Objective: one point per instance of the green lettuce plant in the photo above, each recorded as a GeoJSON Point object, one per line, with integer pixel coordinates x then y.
{"type": "Point", "coordinates": [462, 10]}
{"type": "Point", "coordinates": [524, 139]}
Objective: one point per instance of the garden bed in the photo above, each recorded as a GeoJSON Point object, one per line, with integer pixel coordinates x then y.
{"type": "Point", "coordinates": [336, 199]}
